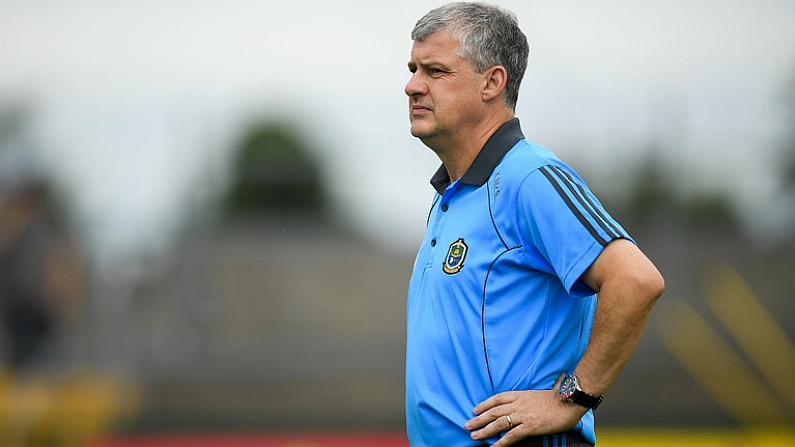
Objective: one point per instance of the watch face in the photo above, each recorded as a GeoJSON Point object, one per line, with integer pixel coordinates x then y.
{"type": "Point", "coordinates": [568, 387]}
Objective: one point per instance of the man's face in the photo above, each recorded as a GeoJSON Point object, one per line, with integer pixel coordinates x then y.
{"type": "Point", "coordinates": [444, 89]}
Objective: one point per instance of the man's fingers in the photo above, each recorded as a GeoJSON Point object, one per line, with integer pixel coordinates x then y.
{"type": "Point", "coordinates": [496, 400]}
{"type": "Point", "coordinates": [482, 420]}
{"type": "Point", "coordinates": [499, 425]}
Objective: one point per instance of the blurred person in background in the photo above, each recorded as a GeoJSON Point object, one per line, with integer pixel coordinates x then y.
{"type": "Point", "coordinates": [507, 343]}
{"type": "Point", "coordinates": [41, 285]}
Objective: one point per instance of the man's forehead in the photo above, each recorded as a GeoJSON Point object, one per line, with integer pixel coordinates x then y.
{"type": "Point", "coordinates": [440, 45]}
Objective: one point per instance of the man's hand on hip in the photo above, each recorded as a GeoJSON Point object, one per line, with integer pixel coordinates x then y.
{"type": "Point", "coordinates": [521, 414]}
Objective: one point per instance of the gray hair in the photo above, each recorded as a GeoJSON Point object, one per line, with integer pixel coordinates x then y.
{"type": "Point", "coordinates": [488, 36]}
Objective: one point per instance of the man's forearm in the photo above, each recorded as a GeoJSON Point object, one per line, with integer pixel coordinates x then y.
{"type": "Point", "coordinates": [625, 300]}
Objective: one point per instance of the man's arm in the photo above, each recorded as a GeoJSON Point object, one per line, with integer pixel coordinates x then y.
{"type": "Point", "coordinates": [628, 285]}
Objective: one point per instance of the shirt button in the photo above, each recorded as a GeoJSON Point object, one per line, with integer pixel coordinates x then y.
{"type": "Point", "coordinates": [433, 242]}
{"type": "Point", "coordinates": [445, 207]}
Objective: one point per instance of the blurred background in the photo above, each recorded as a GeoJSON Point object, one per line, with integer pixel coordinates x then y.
{"type": "Point", "coordinates": [210, 212]}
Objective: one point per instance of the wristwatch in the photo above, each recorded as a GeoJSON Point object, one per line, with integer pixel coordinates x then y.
{"type": "Point", "coordinates": [570, 391]}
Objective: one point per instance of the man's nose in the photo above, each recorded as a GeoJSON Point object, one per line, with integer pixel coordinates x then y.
{"type": "Point", "coordinates": [415, 86]}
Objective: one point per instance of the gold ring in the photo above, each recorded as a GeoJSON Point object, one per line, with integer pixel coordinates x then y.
{"type": "Point", "coordinates": [510, 422]}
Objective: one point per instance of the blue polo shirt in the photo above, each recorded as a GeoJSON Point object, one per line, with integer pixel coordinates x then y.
{"type": "Point", "coordinates": [495, 301]}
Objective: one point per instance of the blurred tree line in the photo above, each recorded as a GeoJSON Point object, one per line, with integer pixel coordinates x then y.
{"type": "Point", "coordinates": [652, 200]}
{"type": "Point", "coordinates": [274, 172]}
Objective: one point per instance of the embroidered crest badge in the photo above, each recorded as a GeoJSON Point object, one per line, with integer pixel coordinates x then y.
{"type": "Point", "coordinates": [454, 261]}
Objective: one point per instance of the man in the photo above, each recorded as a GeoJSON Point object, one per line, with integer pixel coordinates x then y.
{"type": "Point", "coordinates": [506, 340]}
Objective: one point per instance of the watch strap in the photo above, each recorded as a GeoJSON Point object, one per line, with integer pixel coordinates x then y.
{"type": "Point", "coordinates": [580, 397]}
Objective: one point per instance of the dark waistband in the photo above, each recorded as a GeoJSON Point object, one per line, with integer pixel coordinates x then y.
{"type": "Point", "coordinates": [565, 439]}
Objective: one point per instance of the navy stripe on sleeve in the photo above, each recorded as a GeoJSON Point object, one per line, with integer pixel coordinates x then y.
{"type": "Point", "coordinates": [587, 202]}
{"type": "Point", "coordinates": [576, 211]}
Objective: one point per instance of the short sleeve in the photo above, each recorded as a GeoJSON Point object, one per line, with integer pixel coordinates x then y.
{"type": "Point", "coordinates": [565, 223]}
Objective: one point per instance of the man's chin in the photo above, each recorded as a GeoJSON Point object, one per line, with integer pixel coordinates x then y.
{"type": "Point", "coordinates": [421, 133]}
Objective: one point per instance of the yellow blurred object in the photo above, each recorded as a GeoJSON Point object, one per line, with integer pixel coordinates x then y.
{"type": "Point", "coordinates": [754, 329]}
{"type": "Point", "coordinates": [696, 437]}
{"type": "Point", "coordinates": [22, 404]}
{"type": "Point", "coordinates": [752, 380]}
{"type": "Point", "coordinates": [64, 411]}
{"type": "Point", "coordinates": [719, 370]}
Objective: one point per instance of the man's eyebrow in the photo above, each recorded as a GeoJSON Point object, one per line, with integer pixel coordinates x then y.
{"type": "Point", "coordinates": [428, 64]}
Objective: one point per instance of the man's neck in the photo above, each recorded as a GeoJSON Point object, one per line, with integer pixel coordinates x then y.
{"type": "Point", "coordinates": [459, 154]}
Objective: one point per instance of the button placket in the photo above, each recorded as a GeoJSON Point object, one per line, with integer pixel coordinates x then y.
{"type": "Point", "coordinates": [444, 206]}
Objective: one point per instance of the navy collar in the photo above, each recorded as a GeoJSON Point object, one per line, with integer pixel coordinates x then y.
{"type": "Point", "coordinates": [498, 144]}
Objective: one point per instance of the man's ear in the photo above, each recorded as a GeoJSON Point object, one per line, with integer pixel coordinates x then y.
{"type": "Point", "coordinates": [495, 79]}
